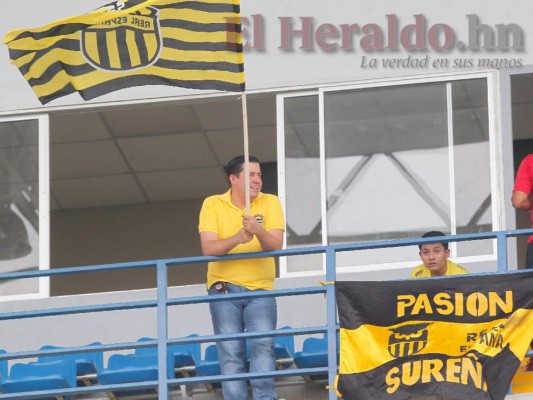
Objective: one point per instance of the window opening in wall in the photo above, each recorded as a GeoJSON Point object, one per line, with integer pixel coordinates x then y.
{"type": "Point", "coordinates": [19, 205]}
{"type": "Point", "coordinates": [397, 161]}
{"type": "Point", "coordinates": [127, 183]}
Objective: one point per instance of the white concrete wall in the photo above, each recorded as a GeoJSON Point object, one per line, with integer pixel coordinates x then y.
{"type": "Point", "coordinates": [123, 326]}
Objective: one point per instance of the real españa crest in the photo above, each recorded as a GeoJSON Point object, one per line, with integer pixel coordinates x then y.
{"type": "Point", "coordinates": [123, 43]}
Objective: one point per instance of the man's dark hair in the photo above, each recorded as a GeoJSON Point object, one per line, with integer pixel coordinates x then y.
{"type": "Point", "coordinates": [235, 165]}
{"type": "Point", "coordinates": [434, 234]}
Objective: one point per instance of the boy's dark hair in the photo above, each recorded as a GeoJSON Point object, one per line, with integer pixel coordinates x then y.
{"type": "Point", "coordinates": [434, 234]}
{"type": "Point", "coordinates": [235, 165]}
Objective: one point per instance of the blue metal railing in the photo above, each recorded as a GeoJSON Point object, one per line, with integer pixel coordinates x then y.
{"type": "Point", "coordinates": [162, 302]}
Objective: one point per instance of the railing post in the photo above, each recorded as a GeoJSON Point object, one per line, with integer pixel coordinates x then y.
{"type": "Point", "coordinates": [162, 330]}
{"type": "Point", "coordinates": [331, 314]}
{"type": "Point", "coordinates": [501, 241]}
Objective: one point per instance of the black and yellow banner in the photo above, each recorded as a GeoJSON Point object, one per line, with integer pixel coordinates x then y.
{"type": "Point", "coordinates": [460, 337]}
{"type": "Point", "coordinates": [193, 44]}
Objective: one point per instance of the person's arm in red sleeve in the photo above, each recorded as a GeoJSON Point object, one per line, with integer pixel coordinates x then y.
{"type": "Point", "coordinates": [522, 187]}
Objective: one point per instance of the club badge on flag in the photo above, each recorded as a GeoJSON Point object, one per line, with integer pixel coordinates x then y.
{"type": "Point", "coordinates": [125, 43]}
{"type": "Point", "coordinates": [461, 337]}
{"type": "Point", "coordinates": [193, 44]}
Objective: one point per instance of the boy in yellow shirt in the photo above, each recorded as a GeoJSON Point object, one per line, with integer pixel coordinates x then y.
{"type": "Point", "coordinates": [435, 259]}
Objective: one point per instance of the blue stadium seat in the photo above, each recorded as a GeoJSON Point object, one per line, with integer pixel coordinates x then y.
{"type": "Point", "coordinates": [123, 368]}
{"type": "Point", "coordinates": [86, 363]}
{"type": "Point", "coordinates": [142, 365]}
{"type": "Point", "coordinates": [182, 358]}
{"type": "Point", "coordinates": [59, 374]}
{"type": "Point", "coordinates": [314, 352]}
{"type": "Point", "coordinates": [284, 350]}
{"type": "Point", "coordinates": [3, 367]}
{"type": "Point", "coordinates": [209, 365]}
{"type": "Point", "coordinates": [186, 355]}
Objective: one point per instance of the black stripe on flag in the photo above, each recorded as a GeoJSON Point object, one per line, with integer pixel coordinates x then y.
{"type": "Point", "coordinates": [102, 49]}
{"type": "Point", "coordinates": [143, 80]}
{"type": "Point", "coordinates": [59, 30]}
{"type": "Point", "coordinates": [79, 70]}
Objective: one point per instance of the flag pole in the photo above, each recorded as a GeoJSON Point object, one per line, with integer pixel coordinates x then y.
{"type": "Point", "coordinates": [246, 152]}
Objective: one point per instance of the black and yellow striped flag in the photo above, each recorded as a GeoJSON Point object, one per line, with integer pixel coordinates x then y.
{"type": "Point", "coordinates": [194, 44]}
{"type": "Point", "coordinates": [460, 337]}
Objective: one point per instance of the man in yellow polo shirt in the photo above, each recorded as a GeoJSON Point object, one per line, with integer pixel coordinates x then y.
{"type": "Point", "coordinates": [435, 259]}
{"type": "Point", "coordinates": [225, 228]}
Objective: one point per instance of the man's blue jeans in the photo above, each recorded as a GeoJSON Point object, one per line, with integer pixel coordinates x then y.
{"type": "Point", "coordinates": [250, 315]}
